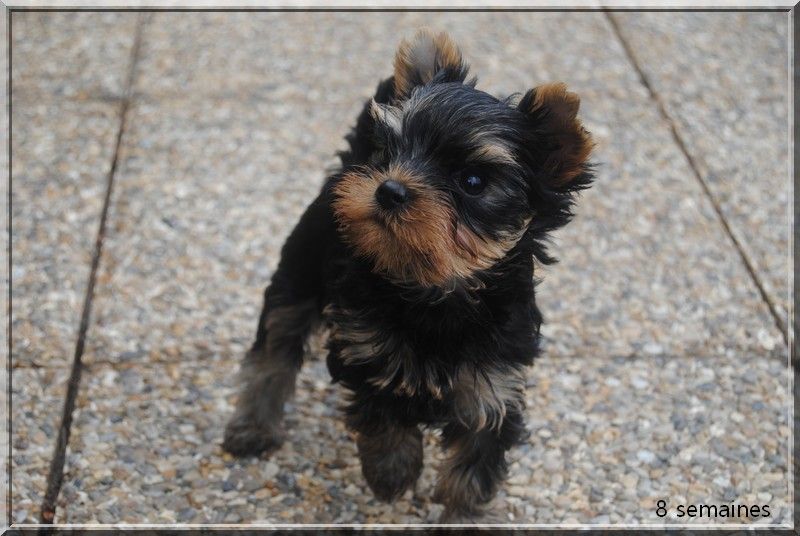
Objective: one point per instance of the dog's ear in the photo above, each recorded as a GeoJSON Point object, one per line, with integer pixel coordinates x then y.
{"type": "Point", "coordinates": [425, 56]}
{"type": "Point", "coordinates": [562, 144]}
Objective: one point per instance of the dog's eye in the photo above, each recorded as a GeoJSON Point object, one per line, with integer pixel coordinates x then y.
{"type": "Point", "coordinates": [472, 183]}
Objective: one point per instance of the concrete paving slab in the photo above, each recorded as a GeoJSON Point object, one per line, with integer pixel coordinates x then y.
{"type": "Point", "coordinates": [60, 157]}
{"type": "Point", "coordinates": [300, 56]}
{"type": "Point", "coordinates": [61, 154]}
{"type": "Point", "coordinates": [4, 277]}
{"type": "Point", "coordinates": [71, 54]}
{"type": "Point", "coordinates": [6, 430]}
{"type": "Point", "coordinates": [206, 193]}
{"type": "Point", "coordinates": [37, 398]}
{"type": "Point", "coordinates": [724, 78]}
{"type": "Point", "coordinates": [213, 177]}
{"type": "Point", "coordinates": [325, 57]}
{"type": "Point", "coordinates": [646, 266]}
{"type": "Point", "coordinates": [609, 438]}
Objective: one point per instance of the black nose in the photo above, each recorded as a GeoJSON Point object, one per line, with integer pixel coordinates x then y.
{"type": "Point", "coordinates": [391, 194]}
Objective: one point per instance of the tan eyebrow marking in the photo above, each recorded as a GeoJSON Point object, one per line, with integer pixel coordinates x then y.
{"type": "Point", "coordinates": [491, 150]}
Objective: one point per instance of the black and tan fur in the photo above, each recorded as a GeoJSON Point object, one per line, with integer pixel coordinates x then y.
{"type": "Point", "coordinates": [418, 255]}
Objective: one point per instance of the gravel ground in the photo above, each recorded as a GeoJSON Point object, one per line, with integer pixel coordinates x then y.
{"type": "Point", "coordinates": [5, 271]}
{"type": "Point", "coordinates": [609, 438]}
{"type": "Point", "coordinates": [664, 374]}
{"type": "Point", "coordinates": [37, 398]}
{"type": "Point", "coordinates": [68, 68]}
{"type": "Point", "coordinates": [724, 91]}
{"type": "Point", "coordinates": [71, 55]}
{"type": "Point", "coordinates": [61, 155]}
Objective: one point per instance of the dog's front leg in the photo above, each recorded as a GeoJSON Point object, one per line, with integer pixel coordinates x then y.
{"type": "Point", "coordinates": [475, 467]}
{"type": "Point", "coordinates": [487, 421]}
{"type": "Point", "coordinates": [292, 305]}
{"type": "Point", "coordinates": [390, 452]}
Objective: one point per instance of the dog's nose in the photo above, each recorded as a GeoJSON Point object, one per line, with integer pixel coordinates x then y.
{"type": "Point", "coordinates": [391, 194]}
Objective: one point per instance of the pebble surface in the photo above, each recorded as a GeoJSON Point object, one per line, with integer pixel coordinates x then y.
{"type": "Point", "coordinates": [663, 374]}
{"type": "Point", "coordinates": [61, 153]}
{"type": "Point", "coordinates": [608, 439]}
{"type": "Point", "coordinates": [730, 98]}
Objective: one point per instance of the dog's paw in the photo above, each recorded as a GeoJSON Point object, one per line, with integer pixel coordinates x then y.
{"type": "Point", "coordinates": [244, 438]}
{"type": "Point", "coordinates": [390, 475]}
{"type": "Point", "coordinates": [391, 463]}
{"type": "Point", "coordinates": [389, 486]}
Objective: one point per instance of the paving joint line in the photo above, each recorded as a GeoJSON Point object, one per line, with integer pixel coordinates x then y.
{"type": "Point", "coordinates": [55, 475]}
{"type": "Point", "coordinates": [678, 139]}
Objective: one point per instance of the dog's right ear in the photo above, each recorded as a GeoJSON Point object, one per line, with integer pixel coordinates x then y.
{"type": "Point", "coordinates": [426, 56]}
{"type": "Point", "coordinates": [562, 143]}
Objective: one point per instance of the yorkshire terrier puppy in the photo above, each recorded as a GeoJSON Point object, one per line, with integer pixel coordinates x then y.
{"type": "Point", "coordinates": [418, 255]}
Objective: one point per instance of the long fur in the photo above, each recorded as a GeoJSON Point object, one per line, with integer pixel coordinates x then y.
{"type": "Point", "coordinates": [430, 303]}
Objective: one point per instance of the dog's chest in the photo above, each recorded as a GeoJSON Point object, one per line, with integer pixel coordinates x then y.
{"type": "Point", "coordinates": [390, 353]}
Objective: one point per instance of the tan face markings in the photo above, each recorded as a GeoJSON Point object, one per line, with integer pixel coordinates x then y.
{"type": "Point", "coordinates": [490, 149]}
{"type": "Point", "coordinates": [424, 243]}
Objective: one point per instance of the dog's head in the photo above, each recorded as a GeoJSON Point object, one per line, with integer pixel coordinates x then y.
{"type": "Point", "coordinates": [457, 179]}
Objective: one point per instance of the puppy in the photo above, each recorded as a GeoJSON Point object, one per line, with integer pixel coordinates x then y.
{"type": "Point", "coordinates": [418, 255]}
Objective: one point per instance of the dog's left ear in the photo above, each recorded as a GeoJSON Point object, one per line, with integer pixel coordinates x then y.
{"type": "Point", "coordinates": [562, 144]}
{"type": "Point", "coordinates": [424, 57]}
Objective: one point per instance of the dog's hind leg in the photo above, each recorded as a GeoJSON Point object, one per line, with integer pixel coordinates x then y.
{"type": "Point", "coordinates": [292, 304]}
